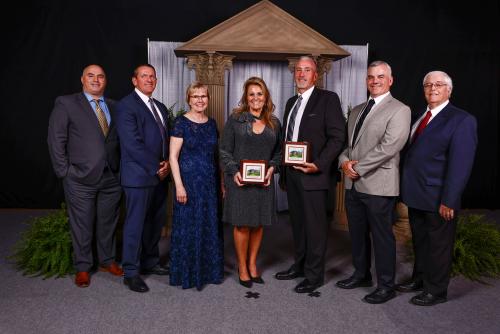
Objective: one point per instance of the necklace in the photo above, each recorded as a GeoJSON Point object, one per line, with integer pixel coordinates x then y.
{"type": "Point", "coordinates": [257, 117]}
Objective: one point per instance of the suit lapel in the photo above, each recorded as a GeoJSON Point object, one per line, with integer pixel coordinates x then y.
{"type": "Point", "coordinates": [351, 124]}
{"type": "Point", "coordinates": [111, 109]}
{"type": "Point", "coordinates": [143, 105]}
{"type": "Point", "coordinates": [146, 109]}
{"type": "Point", "coordinates": [441, 117]}
{"type": "Point", "coordinates": [162, 112]}
{"type": "Point", "coordinates": [287, 112]}
{"type": "Point", "coordinates": [376, 111]}
{"type": "Point", "coordinates": [434, 124]}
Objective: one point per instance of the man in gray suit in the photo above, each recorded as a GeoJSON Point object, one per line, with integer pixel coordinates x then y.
{"type": "Point", "coordinates": [84, 150]}
{"type": "Point", "coordinates": [377, 131]}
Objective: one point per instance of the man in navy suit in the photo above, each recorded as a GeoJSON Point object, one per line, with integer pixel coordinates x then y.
{"type": "Point", "coordinates": [436, 168]}
{"type": "Point", "coordinates": [142, 128]}
{"type": "Point", "coordinates": [84, 150]}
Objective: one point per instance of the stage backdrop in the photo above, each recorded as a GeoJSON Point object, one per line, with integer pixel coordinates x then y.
{"type": "Point", "coordinates": [346, 78]}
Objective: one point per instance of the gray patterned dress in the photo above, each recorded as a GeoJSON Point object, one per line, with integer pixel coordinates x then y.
{"type": "Point", "coordinates": [249, 205]}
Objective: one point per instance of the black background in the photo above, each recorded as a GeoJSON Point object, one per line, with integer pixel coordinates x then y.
{"type": "Point", "coordinates": [46, 44]}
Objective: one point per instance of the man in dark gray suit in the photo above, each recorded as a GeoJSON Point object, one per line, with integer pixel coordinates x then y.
{"type": "Point", "coordinates": [84, 150]}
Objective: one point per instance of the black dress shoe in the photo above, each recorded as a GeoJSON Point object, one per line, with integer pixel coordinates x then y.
{"type": "Point", "coordinates": [288, 274]}
{"type": "Point", "coordinates": [306, 286]}
{"type": "Point", "coordinates": [136, 284]}
{"type": "Point", "coordinates": [157, 270]}
{"type": "Point", "coordinates": [247, 283]}
{"type": "Point", "coordinates": [379, 296]}
{"type": "Point", "coordinates": [410, 286]}
{"type": "Point", "coordinates": [353, 282]}
{"type": "Point", "coordinates": [428, 299]}
{"type": "Point", "coordinates": [257, 279]}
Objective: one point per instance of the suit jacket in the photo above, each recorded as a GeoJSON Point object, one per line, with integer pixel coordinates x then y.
{"type": "Point", "coordinates": [77, 146]}
{"type": "Point", "coordinates": [438, 164]}
{"type": "Point", "coordinates": [381, 137]}
{"type": "Point", "coordinates": [140, 141]}
{"type": "Point", "coordinates": [323, 127]}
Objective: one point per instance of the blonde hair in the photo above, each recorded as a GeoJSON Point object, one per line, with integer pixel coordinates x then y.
{"type": "Point", "coordinates": [195, 85]}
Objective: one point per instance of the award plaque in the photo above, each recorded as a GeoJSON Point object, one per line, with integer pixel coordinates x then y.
{"type": "Point", "coordinates": [296, 153]}
{"type": "Point", "coordinates": [253, 171]}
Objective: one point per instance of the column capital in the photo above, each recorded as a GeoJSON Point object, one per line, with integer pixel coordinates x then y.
{"type": "Point", "coordinates": [210, 66]}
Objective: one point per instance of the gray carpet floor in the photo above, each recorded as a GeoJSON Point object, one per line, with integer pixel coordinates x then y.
{"type": "Point", "coordinates": [35, 305]}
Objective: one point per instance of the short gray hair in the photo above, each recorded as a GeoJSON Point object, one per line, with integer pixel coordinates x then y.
{"type": "Point", "coordinates": [447, 78]}
{"type": "Point", "coordinates": [380, 62]}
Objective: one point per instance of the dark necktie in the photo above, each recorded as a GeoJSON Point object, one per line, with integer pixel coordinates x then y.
{"type": "Point", "coordinates": [103, 122]}
{"type": "Point", "coordinates": [291, 122]}
{"type": "Point", "coordinates": [422, 125]}
{"type": "Point", "coordinates": [365, 112]}
{"type": "Point", "coordinates": [161, 128]}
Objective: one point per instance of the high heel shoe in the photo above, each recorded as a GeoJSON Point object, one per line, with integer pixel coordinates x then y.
{"type": "Point", "coordinates": [247, 283]}
{"type": "Point", "coordinates": [257, 279]}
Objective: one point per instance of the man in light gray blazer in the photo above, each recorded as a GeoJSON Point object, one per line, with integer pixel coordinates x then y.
{"type": "Point", "coordinates": [377, 131]}
{"type": "Point", "coordinates": [84, 149]}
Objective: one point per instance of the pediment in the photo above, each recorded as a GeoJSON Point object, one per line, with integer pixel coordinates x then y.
{"type": "Point", "coordinates": [263, 32]}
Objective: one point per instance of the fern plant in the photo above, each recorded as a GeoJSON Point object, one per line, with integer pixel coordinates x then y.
{"type": "Point", "coordinates": [476, 252]}
{"type": "Point", "coordinates": [45, 247]}
{"type": "Point", "coordinates": [172, 115]}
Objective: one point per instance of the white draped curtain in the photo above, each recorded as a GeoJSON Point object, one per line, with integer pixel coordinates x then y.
{"type": "Point", "coordinates": [346, 78]}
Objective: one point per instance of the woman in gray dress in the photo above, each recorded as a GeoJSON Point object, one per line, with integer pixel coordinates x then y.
{"type": "Point", "coordinates": [251, 132]}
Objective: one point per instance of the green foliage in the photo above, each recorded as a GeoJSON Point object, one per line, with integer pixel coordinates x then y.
{"type": "Point", "coordinates": [172, 115]}
{"type": "Point", "coordinates": [476, 251]}
{"type": "Point", "coordinates": [45, 247]}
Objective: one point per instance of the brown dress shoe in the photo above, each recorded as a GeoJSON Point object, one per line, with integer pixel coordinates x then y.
{"type": "Point", "coordinates": [113, 269]}
{"type": "Point", "coordinates": [82, 279]}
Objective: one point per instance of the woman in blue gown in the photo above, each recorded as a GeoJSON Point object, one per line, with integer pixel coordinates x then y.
{"type": "Point", "coordinates": [196, 246]}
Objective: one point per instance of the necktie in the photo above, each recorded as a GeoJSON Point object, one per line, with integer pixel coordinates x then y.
{"type": "Point", "coordinates": [103, 123]}
{"type": "Point", "coordinates": [291, 122]}
{"type": "Point", "coordinates": [422, 125]}
{"type": "Point", "coordinates": [161, 127]}
{"type": "Point", "coordinates": [365, 112]}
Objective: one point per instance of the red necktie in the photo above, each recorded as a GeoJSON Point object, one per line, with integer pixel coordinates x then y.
{"type": "Point", "coordinates": [422, 125]}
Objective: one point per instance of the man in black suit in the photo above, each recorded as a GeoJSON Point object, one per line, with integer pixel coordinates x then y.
{"type": "Point", "coordinates": [142, 126]}
{"type": "Point", "coordinates": [313, 116]}
{"type": "Point", "coordinates": [84, 150]}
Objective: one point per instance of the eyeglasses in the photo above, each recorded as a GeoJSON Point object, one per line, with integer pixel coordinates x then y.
{"type": "Point", "coordinates": [197, 97]}
{"type": "Point", "coordinates": [436, 84]}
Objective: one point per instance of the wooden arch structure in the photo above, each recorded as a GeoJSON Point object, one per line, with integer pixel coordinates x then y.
{"type": "Point", "coordinates": [262, 32]}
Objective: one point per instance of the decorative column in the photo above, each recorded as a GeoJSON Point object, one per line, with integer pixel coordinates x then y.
{"type": "Point", "coordinates": [340, 218]}
{"type": "Point", "coordinates": [401, 228]}
{"type": "Point", "coordinates": [210, 68]}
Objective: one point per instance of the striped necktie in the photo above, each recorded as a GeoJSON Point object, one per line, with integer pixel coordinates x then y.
{"type": "Point", "coordinates": [291, 122]}
{"type": "Point", "coordinates": [161, 127]}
